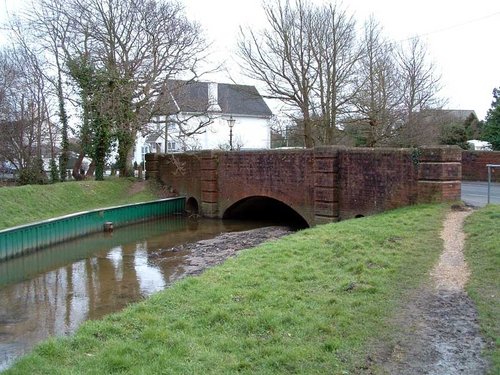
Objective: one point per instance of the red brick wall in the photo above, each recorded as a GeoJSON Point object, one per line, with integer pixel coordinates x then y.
{"type": "Point", "coordinates": [439, 174]}
{"type": "Point", "coordinates": [322, 185]}
{"type": "Point", "coordinates": [284, 175]}
{"type": "Point", "coordinates": [474, 165]}
{"type": "Point", "coordinates": [375, 180]}
{"type": "Point", "coordinates": [326, 184]}
{"type": "Point", "coordinates": [179, 175]}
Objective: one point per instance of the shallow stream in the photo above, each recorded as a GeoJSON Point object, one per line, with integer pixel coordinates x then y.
{"type": "Point", "coordinates": [51, 292]}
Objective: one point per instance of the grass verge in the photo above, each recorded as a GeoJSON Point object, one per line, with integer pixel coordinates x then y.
{"type": "Point", "coordinates": [306, 304]}
{"type": "Point", "coordinates": [25, 204]}
{"type": "Point", "coordinates": [483, 256]}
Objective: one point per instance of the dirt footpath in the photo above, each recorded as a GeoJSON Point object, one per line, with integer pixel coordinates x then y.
{"type": "Point", "coordinates": [439, 327]}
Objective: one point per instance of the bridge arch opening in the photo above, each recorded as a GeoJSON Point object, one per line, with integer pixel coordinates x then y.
{"type": "Point", "coordinates": [192, 207]}
{"type": "Point", "coordinates": [265, 209]}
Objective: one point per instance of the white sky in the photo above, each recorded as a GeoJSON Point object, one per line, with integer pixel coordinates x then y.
{"type": "Point", "coordinates": [461, 37]}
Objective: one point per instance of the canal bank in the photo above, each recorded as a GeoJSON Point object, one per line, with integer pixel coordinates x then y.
{"type": "Point", "coordinates": [31, 237]}
{"type": "Point", "coordinates": [51, 292]}
{"type": "Point", "coordinates": [25, 204]}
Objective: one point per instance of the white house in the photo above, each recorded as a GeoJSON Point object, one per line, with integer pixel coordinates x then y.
{"type": "Point", "coordinates": [206, 115]}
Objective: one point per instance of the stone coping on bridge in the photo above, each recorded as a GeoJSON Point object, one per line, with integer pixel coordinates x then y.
{"type": "Point", "coordinates": [321, 184]}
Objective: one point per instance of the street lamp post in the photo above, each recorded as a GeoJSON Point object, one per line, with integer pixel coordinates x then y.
{"type": "Point", "coordinates": [231, 122]}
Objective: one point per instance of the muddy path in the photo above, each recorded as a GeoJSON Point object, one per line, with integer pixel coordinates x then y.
{"type": "Point", "coordinates": [438, 331]}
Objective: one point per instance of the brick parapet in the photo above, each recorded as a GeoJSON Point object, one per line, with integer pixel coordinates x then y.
{"type": "Point", "coordinates": [326, 184]}
{"type": "Point", "coordinates": [152, 165]}
{"type": "Point", "coordinates": [440, 171]}
{"type": "Point", "coordinates": [209, 164]}
{"type": "Point", "coordinates": [440, 154]}
{"type": "Point", "coordinates": [474, 165]}
{"type": "Point", "coordinates": [439, 174]}
{"type": "Point", "coordinates": [375, 180]}
{"type": "Point", "coordinates": [322, 185]}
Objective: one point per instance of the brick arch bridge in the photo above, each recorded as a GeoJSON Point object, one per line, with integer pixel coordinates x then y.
{"type": "Point", "coordinates": [321, 185]}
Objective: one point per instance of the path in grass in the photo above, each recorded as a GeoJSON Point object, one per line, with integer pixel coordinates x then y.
{"type": "Point", "coordinates": [439, 327]}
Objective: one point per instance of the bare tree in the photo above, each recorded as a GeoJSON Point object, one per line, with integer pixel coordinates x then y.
{"type": "Point", "coordinates": [310, 58]}
{"type": "Point", "coordinates": [336, 53]}
{"type": "Point", "coordinates": [306, 58]}
{"type": "Point", "coordinates": [49, 24]}
{"type": "Point", "coordinates": [281, 57]}
{"type": "Point", "coordinates": [8, 81]}
{"type": "Point", "coordinates": [379, 97]}
{"type": "Point", "coordinates": [18, 139]}
{"type": "Point", "coordinates": [24, 114]}
{"type": "Point", "coordinates": [42, 33]}
{"type": "Point", "coordinates": [420, 86]}
{"type": "Point", "coordinates": [28, 42]}
{"type": "Point", "coordinates": [141, 44]}
{"type": "Point", "coordinates": [133, 46]}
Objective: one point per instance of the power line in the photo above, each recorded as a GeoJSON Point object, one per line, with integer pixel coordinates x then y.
{"type": "Point", "coordinates": [456, 26]}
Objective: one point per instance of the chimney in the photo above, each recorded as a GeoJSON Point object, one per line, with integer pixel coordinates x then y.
{"type": "Point", "coordinates": [213, 97]}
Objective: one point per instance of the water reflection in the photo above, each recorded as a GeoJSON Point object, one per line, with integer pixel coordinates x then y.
{"type": "Point", "coordinates": [53, 291]}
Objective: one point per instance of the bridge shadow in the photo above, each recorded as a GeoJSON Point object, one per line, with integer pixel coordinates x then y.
{"type": "Point", "coordinates": [266, 209]}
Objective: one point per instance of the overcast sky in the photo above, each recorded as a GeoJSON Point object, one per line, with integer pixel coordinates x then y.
{"type": "Point", "coordinates": [462, 38]}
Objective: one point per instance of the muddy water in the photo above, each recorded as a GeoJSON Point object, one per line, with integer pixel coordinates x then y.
{"type": "Point", "coordinates": [51, 292]}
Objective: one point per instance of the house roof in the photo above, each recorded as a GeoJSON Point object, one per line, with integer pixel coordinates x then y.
{"type": "Point", "coordinates": [193, 97]}
{"type": "Point", "coordinates": [153, 137]}
{"type": "Point", "coordinates": [459, 115]}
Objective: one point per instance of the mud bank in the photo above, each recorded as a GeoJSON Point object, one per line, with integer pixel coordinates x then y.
{"type": "Point", "coordinates": [208, 253]}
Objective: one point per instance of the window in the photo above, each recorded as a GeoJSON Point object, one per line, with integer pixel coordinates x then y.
{"type": "Point", "coordinates": [146, 149]}
{"type": "Point", "coordinates": [171, 146]}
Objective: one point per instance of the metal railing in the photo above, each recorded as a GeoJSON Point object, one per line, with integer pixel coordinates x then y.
{"type": "Point", "coordinates": [490, 167]}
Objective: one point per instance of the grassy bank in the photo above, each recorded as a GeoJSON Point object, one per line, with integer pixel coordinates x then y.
{"type": "Point", "coordinates": [309, 303]}
{"type": "Point", "coordinates": [483, 257]}
{"type": "Point", "coordinates": [25, 204]}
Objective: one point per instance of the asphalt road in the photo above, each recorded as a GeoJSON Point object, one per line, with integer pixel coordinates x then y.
{"type": "Point", "coordinates": [475, 193]}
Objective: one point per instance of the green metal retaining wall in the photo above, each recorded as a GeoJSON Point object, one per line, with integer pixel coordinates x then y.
{"type": "Point", "coordinates": [25, 238]}
{"type": "Point", "coordinates": [57, 255]}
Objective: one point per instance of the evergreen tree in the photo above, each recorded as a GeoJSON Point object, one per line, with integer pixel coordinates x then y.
{"type": "Point", "coordinates": [491, 129]}
{"type": "Point", "coordinates": [454, 134]}
{"type": "Point", "coordinates": [54, 172]}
